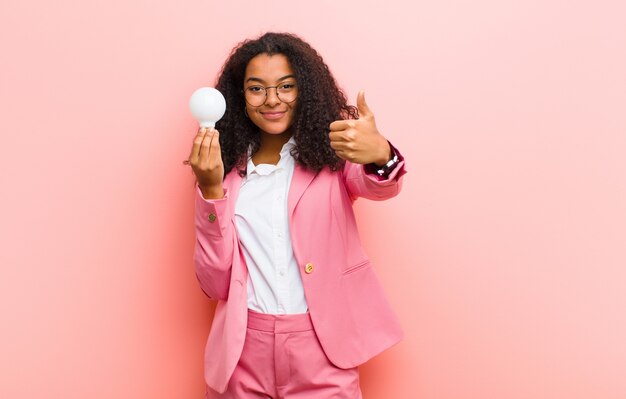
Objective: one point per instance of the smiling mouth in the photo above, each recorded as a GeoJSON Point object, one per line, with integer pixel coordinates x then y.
{"type": "Point", "coordinates": [272, 115]}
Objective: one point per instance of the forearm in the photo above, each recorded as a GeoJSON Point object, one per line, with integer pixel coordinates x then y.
{"type": "Point", "coordinates": [362, 181]}
{"type": "Point", "coordinates": [215, 244]}
{"type": "Point", "coordinates": [212, 192]}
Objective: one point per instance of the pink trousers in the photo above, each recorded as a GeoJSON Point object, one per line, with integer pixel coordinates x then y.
{"type": "Point", "coordinates": [282, 359]}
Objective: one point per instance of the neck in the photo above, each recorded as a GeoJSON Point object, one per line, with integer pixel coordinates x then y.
{"type": "Point", "coordinates": [271, 144]}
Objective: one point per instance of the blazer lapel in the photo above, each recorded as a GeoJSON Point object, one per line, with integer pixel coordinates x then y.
{"type": "Point", "coordinates": [301, 179]}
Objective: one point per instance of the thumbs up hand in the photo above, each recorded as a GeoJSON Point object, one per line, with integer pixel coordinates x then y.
{"type": "Point", "coordinates": [358, 140]}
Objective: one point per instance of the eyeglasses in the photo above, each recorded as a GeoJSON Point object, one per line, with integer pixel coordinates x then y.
{"type": "Point", "coordinates": [256, 95]}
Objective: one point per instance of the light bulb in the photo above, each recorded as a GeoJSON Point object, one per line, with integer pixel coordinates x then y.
{"type": "Point", "coordinates": [207, 106]}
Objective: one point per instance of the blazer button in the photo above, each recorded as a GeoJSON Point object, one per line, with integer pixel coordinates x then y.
{"type": "Point", "coordinates": [212, 217]}
{"type": "Point", "coordinates": [308, 269]}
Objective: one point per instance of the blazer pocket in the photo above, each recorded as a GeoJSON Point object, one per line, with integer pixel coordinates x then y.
{"type": "Point", "coordinates": [356, 267]}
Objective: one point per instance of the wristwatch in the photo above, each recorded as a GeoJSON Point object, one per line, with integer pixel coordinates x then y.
{"type": "Point", "coordinates": [386, 169]}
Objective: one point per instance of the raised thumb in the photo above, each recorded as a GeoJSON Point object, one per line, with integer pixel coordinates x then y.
{"type": "Point", "coordinates": [364, 110]}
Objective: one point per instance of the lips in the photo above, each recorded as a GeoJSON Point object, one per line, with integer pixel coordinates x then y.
{"type": "Point", "coordinates": [272, 115]}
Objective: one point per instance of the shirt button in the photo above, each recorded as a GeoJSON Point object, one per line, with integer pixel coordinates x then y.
{"type": "Point", "coordinates": [308, 269]}
{"type": "Point", "coordinates": [282, 272]}
{"type": "Point", "coordinates": [212, 217]}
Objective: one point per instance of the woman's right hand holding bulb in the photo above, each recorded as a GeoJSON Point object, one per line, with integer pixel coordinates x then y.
{"type": "Point", "coordinates": [206, 161]}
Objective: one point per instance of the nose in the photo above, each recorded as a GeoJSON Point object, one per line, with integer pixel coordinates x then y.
{"type": "Point", "coordinates": [271, 98]}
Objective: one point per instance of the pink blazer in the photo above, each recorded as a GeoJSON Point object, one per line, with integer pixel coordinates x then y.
{"type": "Point", "coordinates": [350, 314]}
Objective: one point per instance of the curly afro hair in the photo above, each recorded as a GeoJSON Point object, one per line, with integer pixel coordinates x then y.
{"type": "Point", "coordinates": [320, 102]}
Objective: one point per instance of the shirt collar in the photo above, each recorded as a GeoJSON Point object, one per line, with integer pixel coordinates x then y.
{"type": "Point", "coordinates": [288, 146]}
{"type": "Point", "coordinates": [265, 169]}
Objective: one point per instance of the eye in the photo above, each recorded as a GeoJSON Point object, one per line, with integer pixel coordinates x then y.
{"type": "Point", "coordinates": [255, 89]}
{"type": "Point", "coordinates": [287, 86]}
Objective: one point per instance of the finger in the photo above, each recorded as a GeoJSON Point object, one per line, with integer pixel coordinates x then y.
{"type": "Point", "coordinates": [197, 144]}
{"type": "Point", "coordinates": [341, 155]}
{"type": "Point", "coordinates": [364, 109]}
{"type": "Point", "coordinates": [338, 136]}
{"type": "Point", "coordinates": [345, 136]}
{"type": "Point", "coordinates": [342, 125]}
{"type": "Point", "coordinates": [205, 149]}
{"type": "Point", "coordinates": [215, 154]}
{"type": "Point", "coordinates": [339, 146]}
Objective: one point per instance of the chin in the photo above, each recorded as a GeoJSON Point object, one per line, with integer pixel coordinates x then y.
{"type": "Point", "coordinates": [275, 130]}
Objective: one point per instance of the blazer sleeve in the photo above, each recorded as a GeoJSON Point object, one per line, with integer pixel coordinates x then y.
{"type": "Point", "coordinates": [215, 244]}
{"type": "Point", "coordinates": [360, 183]}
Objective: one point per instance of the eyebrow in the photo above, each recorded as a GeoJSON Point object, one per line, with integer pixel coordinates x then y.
{"type": "Point", "coordinates": [254, 79]}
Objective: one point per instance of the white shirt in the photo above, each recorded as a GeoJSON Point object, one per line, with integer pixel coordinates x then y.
{"type": "Point", "coordinates": [274, 282]}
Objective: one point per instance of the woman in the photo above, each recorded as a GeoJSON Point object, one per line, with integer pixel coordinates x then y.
{"type": "Point", "coordinates": [299, 306]}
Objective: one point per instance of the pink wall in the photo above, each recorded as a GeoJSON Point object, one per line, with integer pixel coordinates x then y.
{"type": "Point", "coordinates": [504, 256]}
